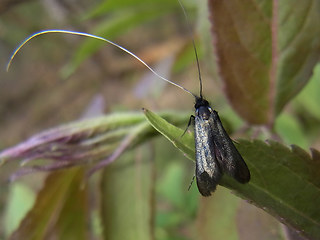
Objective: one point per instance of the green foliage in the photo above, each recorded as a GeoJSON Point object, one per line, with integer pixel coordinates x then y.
{"type": "Point", "coordinates": [276, 175]}
{"type": "Point", "coordinates": [266, 56]}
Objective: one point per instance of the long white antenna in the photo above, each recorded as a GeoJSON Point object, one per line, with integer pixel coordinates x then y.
{"type": "Point", "coordinates": [94, 37]}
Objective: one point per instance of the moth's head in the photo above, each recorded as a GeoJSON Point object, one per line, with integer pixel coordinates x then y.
{"type": "Point", "coordinates": [201, 102]}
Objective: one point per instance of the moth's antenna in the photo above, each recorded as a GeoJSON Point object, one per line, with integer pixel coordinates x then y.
{"type": "Point", "coordinates": [193, 43]}
{"type": "Point", "coordinates": [94, 37]}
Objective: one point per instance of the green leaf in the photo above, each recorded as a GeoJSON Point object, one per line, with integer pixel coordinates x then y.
{"type": "Point", "coordinates": [267, 51]}
{"type": "Point", "coordinates": [183, 142]}
{"type": "Point", "coordinates": [60, 209]}
{"type": "Point", "coordinates": [284, 182]}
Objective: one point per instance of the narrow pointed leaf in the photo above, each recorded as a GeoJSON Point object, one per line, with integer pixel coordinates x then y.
{"type": "Point", "coordinates": [183, 142]}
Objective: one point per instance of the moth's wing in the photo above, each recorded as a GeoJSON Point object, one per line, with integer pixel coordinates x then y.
{"type": "Point", "coordinates": [206, 184]}
{"type": "Point", "coordinates": [208, 172]}
{"type": "Point", "coordinates": [230, 160]}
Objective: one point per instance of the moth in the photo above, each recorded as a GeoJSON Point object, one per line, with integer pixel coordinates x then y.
{"type": "Point", "coordinates": [215, 151]}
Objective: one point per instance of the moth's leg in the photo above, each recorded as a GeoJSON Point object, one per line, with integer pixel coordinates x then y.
{"type": "Point", "coordinates": [191, 122]}
{"type": "Point", "coordinates": [191, 182]}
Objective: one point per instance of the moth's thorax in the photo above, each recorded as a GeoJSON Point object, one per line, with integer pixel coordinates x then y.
{"type": "Point", "coordinates": [204, 112]}
{"type": "Point", "coordinates": [203, 109]}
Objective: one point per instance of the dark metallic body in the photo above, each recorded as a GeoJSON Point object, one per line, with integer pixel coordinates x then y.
{"type": "Point", "coordinates": [215, 151]}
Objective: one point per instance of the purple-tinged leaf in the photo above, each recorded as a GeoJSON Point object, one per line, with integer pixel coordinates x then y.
{"type": "Point", "coordinates": [266, 52]}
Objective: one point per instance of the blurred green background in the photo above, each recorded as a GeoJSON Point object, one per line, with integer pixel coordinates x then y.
{"type": "Point", "coordinates": [60, 78]}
